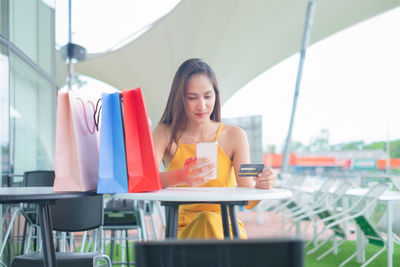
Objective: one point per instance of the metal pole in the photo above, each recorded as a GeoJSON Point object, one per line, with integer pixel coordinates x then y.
{"type": "Point", "coordinates": [306, 39]}
{"type": "Point", "coordinates": [387, 151]}
{"type": "Point", "coordinates": [69, 59]}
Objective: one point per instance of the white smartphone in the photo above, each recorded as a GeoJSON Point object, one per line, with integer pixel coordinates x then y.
{"type": "Point", "coordinates": [208, 150]}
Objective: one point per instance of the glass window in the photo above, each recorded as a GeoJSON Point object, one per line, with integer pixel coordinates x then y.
{"type": "Point", "coordinates": [32, 121]}
{"type": "Point", "coordinates": [4, 111]}
{"type": "Point", "coordinates": [4, 18]}
{"type": "Point", "coordinates": [26, 18]}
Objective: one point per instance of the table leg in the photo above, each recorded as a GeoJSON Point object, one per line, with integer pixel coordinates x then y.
{"type": "Point", "coordinates": [234, 222]}
{"type": "Point", "coordinates": [390, 233]}
{"type": "Point", "coordinates": [174, 224]}
{"type": "Point", "coordinates": [225, 221]}
{"type": "Point", "coordinates": [167, 221]}
{"type": "Point", "coordinates": [171, 214]}
{"type": "Point", "coordinates": [46, 229]}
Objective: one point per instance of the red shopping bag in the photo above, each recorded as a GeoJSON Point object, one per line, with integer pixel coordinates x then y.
{"type": "Point", "coordinates": [76, 149]}
{"type": "Point", "coordinates": [143, 173]}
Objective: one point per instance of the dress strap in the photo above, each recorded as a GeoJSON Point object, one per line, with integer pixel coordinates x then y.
{"type": "Point", "coordinates": [218, 132]}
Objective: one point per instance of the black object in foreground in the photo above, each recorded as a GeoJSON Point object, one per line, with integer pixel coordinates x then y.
{"type": "Point", "coordinates": [226, 253]}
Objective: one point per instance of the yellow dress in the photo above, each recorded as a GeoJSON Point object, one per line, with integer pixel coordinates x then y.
{"type": "Point", "coordinates": [204, 220]}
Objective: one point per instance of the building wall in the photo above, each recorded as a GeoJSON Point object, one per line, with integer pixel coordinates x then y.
{"type": "Point", "coordinates": [27, 87]}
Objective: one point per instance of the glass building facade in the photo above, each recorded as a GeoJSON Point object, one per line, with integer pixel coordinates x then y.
{"type": "Point", "coordinates": [27, 87]}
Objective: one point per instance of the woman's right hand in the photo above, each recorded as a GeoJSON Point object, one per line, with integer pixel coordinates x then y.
{"type": "Point", "coordinates": [193, 170]}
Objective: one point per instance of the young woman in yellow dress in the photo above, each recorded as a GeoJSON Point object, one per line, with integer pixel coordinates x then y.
{"type": "Point", "coordinates": [192, 115]}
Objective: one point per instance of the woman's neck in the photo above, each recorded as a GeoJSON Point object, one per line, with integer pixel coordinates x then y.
{"type": "Point", "coordinates": [201, 131]}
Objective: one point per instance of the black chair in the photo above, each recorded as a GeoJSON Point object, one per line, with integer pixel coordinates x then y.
{"type": "Point", "coordinates": [121, 215]}
{"type": "Point", "coordinates": [29, 211]}
{"type": "Point", "coordinates": [217, 253]}
{"type": "Point", "coordinates": [39, 178]}
{"type": "Point", "coordinates": [71, 215]}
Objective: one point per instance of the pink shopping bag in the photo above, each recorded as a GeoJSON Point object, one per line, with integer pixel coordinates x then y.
{"type": "Point", "coordinates": [76, 155]}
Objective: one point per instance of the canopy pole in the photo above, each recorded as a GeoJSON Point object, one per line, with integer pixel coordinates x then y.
{"type": "Point", "coordinates": [305, 42]}
{"type": "Point", "coordinates": [69, 59]}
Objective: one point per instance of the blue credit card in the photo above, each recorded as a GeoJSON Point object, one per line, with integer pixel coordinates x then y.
{"type": "Point", "coordinates": [250, 169]}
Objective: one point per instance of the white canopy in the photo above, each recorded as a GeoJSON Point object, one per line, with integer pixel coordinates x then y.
{"type": "Point", "coordinates": [239, 39]}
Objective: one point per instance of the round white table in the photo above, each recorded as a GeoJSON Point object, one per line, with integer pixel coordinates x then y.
{"type": "Point", "coordinates": [227, 197]}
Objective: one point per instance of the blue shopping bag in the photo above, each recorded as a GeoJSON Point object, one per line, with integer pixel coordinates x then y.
{"type": "Point", "coordinates": [113, 175]}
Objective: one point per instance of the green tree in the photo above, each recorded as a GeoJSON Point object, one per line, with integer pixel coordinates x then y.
{"type": "Point", "coordinates": [320, 142]}
{"type": "Point", "coordinates": [395, 149]}
{"type": "Point", "coordinates": [355, 145]}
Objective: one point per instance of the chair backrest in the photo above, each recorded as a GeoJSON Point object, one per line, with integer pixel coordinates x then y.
{"type": "Point", "coordinates": [39, 178]}
{"type": "Point", "coordinates": [327, 185]}
{"type": "Point", "coordinates": [368, 200]}
{"type": "Point", "coordinates": [77, 214]}
{"type": "Point", "coordinates": [227, 253]}
{"type": "Point", "coordinates": [383, 223]}
{"type": "Point", "coordinates": [340, 191]}
{"type": "Point", "coordinates": [396, 182]}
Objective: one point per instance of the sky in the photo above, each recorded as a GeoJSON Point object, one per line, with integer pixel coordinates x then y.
{"type": "Point", "coordinates": [350, 86]}
{"type": "Point", "coordinates": [350, 83]}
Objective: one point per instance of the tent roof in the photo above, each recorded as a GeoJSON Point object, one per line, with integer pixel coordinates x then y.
{"type": "Point", "coordinates": [239, 39]}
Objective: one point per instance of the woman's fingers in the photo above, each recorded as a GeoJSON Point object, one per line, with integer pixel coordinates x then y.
{"type": "Point", "coordinates": [201, 180]}
{"type": "Point", "coordinates": [197, 171]}
{"type": "Point", "coordinates": [266, 179]}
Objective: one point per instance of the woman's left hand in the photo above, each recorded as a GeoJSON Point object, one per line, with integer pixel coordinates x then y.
{"type": "Point", "coordinates": [266, 179]}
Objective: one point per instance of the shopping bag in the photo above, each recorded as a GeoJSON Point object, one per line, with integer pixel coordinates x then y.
{"type": "Point", "coordinates": [76, 148]}
{"type": "Point", "coordinates": [113, 175]}
{"type": "Point", "coordinates": [143, 173]}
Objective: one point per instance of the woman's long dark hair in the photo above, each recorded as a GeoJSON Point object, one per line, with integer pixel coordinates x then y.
{"type": "Point", "coordinates": [175, 114]}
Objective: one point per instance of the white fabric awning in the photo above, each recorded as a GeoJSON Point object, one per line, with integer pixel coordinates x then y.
{"type": "Point", "coordinates": [239, 39]}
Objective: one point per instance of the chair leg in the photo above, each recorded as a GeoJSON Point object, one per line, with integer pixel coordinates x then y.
{"type": "Point", "coordinates": [153, 221]}
{"type": "Point", "coordinates": [319, 245]}
{"type": "Point", "coordinates": [127, 247]}
{"type": "Point", "coordinates": [352, 256]}
{"type": "Point", "coordinates": [122, 246]}
{"type": "Point", "coordinates": [139, 234]}
{"type": "Point", "coordinates": [112, 245]}
{"type": "Point", "coordinates": [338, 244]}
{"type": "Point", "coordinates": [28, 240]}
{"type": "Point", "coordinates": [142, 220]}
{"type": "Point", "coordinates": [160, 213]}
{"type": "Point", "coordinates": [95, 239]}
{"type": "Point", "coordinates": [7, 234]}
{"type": "Point", "coordinates": [24, 236]}
{"type": "Point", "coordinates": [373, 257]}
{"type": "Point", "coordinates": [89, 241]}
{"type": "Point", "coordinates": [83, 241]}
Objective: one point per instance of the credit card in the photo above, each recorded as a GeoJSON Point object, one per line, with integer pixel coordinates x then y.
{"type": "Point", "coordinates": [250, 169]}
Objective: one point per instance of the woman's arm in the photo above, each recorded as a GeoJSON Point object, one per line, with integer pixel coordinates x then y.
{"type": "Point", "coordinates": [241, 155]}
{"type": "Point", "coordinates": [189, 174]}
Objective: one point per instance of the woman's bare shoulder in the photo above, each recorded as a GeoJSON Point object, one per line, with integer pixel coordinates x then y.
{"type": "Point", "coordinates": [162, 127]}
{"type": "Point", "coordinates": [233, 132]}
{"type": "Point", "coordinates": [162, 131]}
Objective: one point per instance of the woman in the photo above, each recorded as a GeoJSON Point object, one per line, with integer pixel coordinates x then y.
{"type": "Point", "coordinates": [192, 115]}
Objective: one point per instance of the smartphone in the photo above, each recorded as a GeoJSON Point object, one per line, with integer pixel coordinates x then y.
{"type": "Point", "coordinates": [208, 150]}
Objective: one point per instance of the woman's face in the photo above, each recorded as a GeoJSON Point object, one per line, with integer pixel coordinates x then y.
{"type": "Point", "coordinates": [199, 98]}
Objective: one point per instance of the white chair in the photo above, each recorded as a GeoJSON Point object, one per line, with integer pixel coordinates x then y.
{"type": "Point", "coordinates": [382, 224]}
{"type": "Point", "coordinates": [323, 207]}
{"type": "Point", "coordinates": [319, 201]}
{"type": "Point", "coordinates": [357, 211]}
{"type": "Point", "coordinates": [295, 203]}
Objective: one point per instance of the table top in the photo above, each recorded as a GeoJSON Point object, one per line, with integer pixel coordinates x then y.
{"type": "Point", "coordinates": [36, 194]}
{"type": "Point", "coordinates": [354, 192]}
{"type": "Point", "coordinates": [208, 194]}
